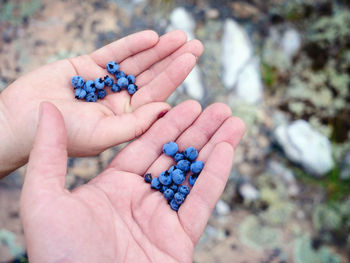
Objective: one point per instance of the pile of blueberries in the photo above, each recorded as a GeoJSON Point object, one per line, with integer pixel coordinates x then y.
{"type": "Point", "coordinates": [92, 90]}
{"type": "Point", "coordinates": [169, 181]}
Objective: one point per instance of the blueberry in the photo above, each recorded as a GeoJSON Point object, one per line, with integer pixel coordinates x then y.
{"type": "Point", "coordinates": [165, 178]}
{"type": "Point", "coordinates": [184, 165]}
{"type": "Point", "coordinates": [101, 93]}
{"type": "Point", "coordinates": [173, 187]}
{"type": "Point", "coordinates": [123, 83]}
{"type": "Point", "coordinates": [148, 178]}
{"type": "Point", "coordinates": [196, 167]}
{"type": "Point", "coordinates": [89, 86]}
{"type": "Point", "coordinates": [131, 79]}
{"type": "Point", "coordinates": [80, 93]}
{"type": "Point", "coordinates": [108, 81]}
{"type": "Point", "coordinates": [115, 88]}
{"type": "Point", "coordinates": [132, 89]}
{"type": "Point", "coordinates": [179, 198]}
{"type": "Point", "coordinates": [170, 148]}
{"type": "Point", "coordinates": [174, 205]}
{"type": "Point", "coordinates": [155, 184]}
{"type": "Point", "coordinates": [168, 194]}
{"type": "Point", "coordinates": [112, 67]}
{"type": "Point", "coordinates": [119, 74]}
{"type": "Point", "coordinates": [77, 82]}
{"type": "Point", "coordinates": [178, 176]}
{"type": "Point", "coordinates": [99, 83]}
{"type": "Point", "coordinates": [184, 189]}
{"type": "Point", "coordinates": [91, 97]}
{"type": "Point", "coordinates": [171, 169]}
{"type": "Point", "coordinates": [191, 153]}
{"type": "Point", "coordinates": [192, 179]}
{"type": "Point", "coordinates": [179, 157]}
{"type": "Point", "coordinates": [163, 188]}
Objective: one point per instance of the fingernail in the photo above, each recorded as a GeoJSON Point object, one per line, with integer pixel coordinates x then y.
{"type": "Point", "coordinates": [160, 115]}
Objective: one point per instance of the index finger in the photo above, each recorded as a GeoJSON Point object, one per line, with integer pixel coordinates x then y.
{"type": "Point", "coordinates": [125, 47]}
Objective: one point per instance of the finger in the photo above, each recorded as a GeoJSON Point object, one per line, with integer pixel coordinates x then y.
{"type": "Point", "coordinates": [166, 82]}
{"type": "Point", "coordinates": [48, 158]}
{"type": "Point", "coordinates": [166, 45]}
{"type": "Point", "coordinates": [194, 213]}
{"type": "Point", "coordinates": [125, 47]}
{"type": "Point", "coordinates": [194, 47]}
{"type": "Point", "coordinates": [121, 128]}
{"type": "Point", "coordinates": [141, 153]}
{"type": "Point", "coordinates": [197, 135]}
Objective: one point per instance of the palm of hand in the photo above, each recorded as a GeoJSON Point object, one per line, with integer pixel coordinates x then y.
{"type": "Point", "coordinates": [116, 217]}
{"type": "Point", "coordinates": [159, 64]}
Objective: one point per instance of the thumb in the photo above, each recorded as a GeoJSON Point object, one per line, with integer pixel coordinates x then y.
{"type": "Point", "coordinates": [47, 166]}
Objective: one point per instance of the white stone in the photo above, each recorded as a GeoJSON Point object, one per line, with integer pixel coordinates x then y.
{"type": "Point", "coordinates": [181, 19]}
{"type": "Point", "coordinates": [304, 145]}
{"type": "Point", "coordinates": [248, 192]}
{"type": "Point", "coordinates": [249, 86]}
{"type": "Point", "coordinates": [291, 42]}
{"type": "Point", "coordinates": [222, 208]}
{"type": "Point", "coordinates": [240, 68]}
{"type": "Point", "coordinates": [193, 84]}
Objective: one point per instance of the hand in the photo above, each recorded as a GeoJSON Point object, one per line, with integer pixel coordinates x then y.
{"type": "Point", "coordinates": [159, 64]}
{"type": "Point", "coordinates": [116, 217]}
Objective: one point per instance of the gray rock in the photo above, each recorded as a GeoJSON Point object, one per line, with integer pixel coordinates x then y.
{"type": "Point", "coordinates": [181, 19]}
{"type": "Point", "coordinates": [248, 192]}
{"type": "Point", "coordinates": [193, 84]}
{"type": "Point", "coordinates": [306, 146]}
{"type": "Point", "coordinates": [345, 167]}
{"type": "Point", "coordinates": [291, 42]}
{"type": "Point", "coordinates": [240, 68]}
{"type": "Point", "coordinates": [222, 208]}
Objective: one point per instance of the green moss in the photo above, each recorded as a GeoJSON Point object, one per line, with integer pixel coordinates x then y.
{"type": "Point", "coordinates": [15, 11]}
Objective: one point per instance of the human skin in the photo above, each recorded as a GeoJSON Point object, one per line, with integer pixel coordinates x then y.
{"type": "Point", "coordinates": [116, 217]}
{"type": "Point", "coordinates": [160, 65]}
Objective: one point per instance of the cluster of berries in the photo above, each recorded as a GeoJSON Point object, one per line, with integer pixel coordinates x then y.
{"type": "Point", "coordinates": [169, 181]}
{"type": "Point", "coordinates": [93, 90]}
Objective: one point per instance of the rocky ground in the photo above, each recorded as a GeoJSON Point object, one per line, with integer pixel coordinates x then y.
{"type": "Point", "coordinates": [283, 66]}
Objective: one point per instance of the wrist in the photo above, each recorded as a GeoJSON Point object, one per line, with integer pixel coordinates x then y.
{"type": "Point", "coordinates": [11, 156]}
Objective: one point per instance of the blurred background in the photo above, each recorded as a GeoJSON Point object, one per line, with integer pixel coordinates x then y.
{"type": "Point", "coordinates": [283, 66]}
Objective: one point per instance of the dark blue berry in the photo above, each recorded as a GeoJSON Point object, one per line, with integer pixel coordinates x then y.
{"type": "Point", "coordinates": [101, 93]}
{"type": "Point", "coordinates": [184, 189]}
{"type": "Point", "coordinates": [196, 167]}
{"type": "Point", "coordinates": [179, 157]}
{"type": "Point", "coordinates": [119, 74]}
{"type": "Point", "coordinates": [80, 93]}
{"type": "Point", "coordinates": [108, 81]}
{"type": "Point", "coordinates": [112, 67]}
{"type": "Point", "coordinates": [192, 179]}
{"type": "Point", "coordinates": [174, 205]}
{"type": "Point", "coordinates": [115, 88]}
{"type": "Point", "coordinates": [91, 97]}
{"type": "Point", "coordinates": [148, 178]}
{"type": "Point", "coordinates": [184, 165]}
{"type": "Point", "coordinates": [132, 89]}
{"type": "Point", "coordinates": [179, 198]}
{"type": "Point", "coordinates": [178, 176]}
{"type": "Point", "coordinates": [171, 169]}
{"type": "Point", "coordinates": [170, 148]}
{"type": "Point", "coordinates": [168, 194]}
{"type": "Point", "coordinates": [89, 86]}
{"type": "Point", "coordinates": [163, 188]}
{"type": "Point", "coordinates": [99, 83]}
{"type": "Point", "coordinates": [77, 82]}
{"type": "Point", "coordinates": [191, 153]}
{"type": "Point", "coordinates": [123, 83]}
{"type": "Point", "coordinates": [155, 184]}
{"type": "Point", "coordinates": [165, 178]}
{"type": "Point", "coordinates": [131, 79]}
{"type": "Point", "coordinates": [173, 187]}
